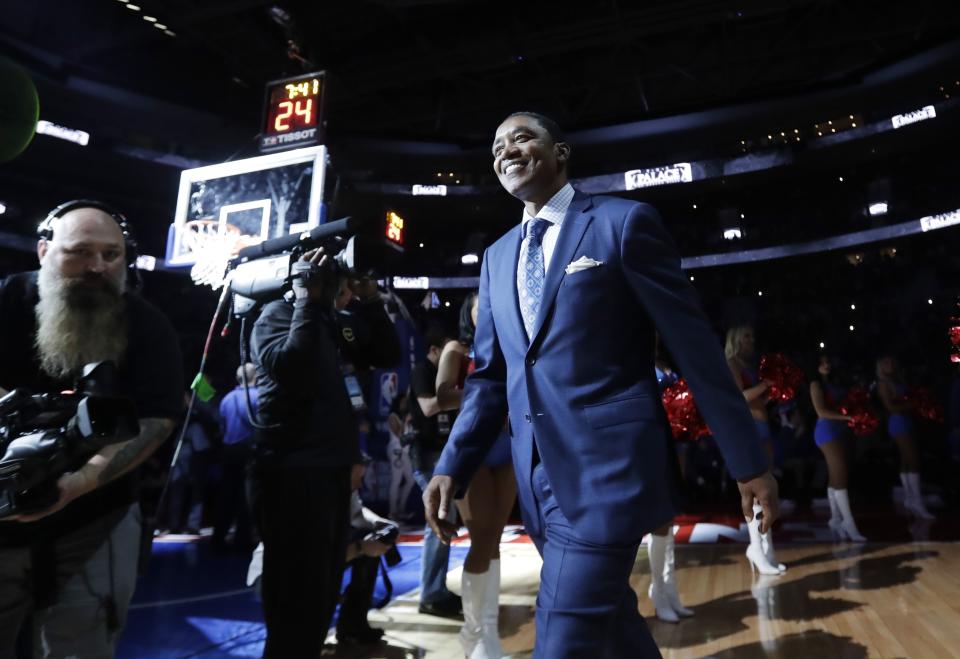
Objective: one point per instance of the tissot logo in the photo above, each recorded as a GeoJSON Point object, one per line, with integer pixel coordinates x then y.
{"type": "Point", "coordinates": [645, 178]}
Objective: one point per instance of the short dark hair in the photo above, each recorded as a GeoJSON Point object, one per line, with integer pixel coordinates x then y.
{"type": "Point", "coordinates": [548, 124]}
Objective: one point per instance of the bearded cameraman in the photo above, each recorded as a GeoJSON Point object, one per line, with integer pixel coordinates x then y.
{"type": "Point", "coordinates": [73, 566]}
{"type": "Point", "coordinates": [300, 476]}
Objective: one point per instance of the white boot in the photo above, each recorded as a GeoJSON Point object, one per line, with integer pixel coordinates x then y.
{"type": "Point", "coordinates": [670, 580]}
{"type": "Point", "coordinates": [759, 544]}
{"type": "Point", "coordinates": [657, 553]}
{"type": "Point", "coordinates": [473, 589]}
{"type": "Point", "coordinates": [847, 527]}
{"type": "Point", "coordinates": [489, 645]}
{"type": "Point", "coordinates": [766, 541]}
{"type": "Point", "coordinates": [836, 518]}
{"type": "Point", "coordinates": [913, 495]}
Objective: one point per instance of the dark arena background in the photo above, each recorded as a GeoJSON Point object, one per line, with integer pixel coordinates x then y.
{"type": "Point", "coordinates": [802, 154]}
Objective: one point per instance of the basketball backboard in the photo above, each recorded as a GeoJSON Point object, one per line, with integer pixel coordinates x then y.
{"type": "Point", "coordinates": [223, 208]}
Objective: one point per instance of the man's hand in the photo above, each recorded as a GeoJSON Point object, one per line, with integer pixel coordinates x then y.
{"type": "Point", "coordinates": [71, 485]}
{"type": "Point", "coordinates": [763, 489]}
{"type": "Point", "coordinates": [436, 504]}
{"type": "Point", "coordinates": [314, 277]}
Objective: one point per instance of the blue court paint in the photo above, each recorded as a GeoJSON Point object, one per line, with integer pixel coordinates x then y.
{"type": "Point", "coordinates": [193, 603]}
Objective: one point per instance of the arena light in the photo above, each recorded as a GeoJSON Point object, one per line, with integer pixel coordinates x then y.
{"type": "Point", "coordinates": [924, 113]}
{"type": "Point", "coordinates": [878, 208]}
{"type": "Point", "coordinates": [3, 208]}
{"type": "Point", "coordinates": [62, 132]}
{"type": "Point", "coordinates": [146, 262]}
{"type": "Point", "coordinates": [732, 234]}
{"type": "Point", "coordinates": [469, 259]}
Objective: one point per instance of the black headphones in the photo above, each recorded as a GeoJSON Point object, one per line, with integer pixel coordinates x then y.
{"type": "Point", "coordinates": [45, 231]}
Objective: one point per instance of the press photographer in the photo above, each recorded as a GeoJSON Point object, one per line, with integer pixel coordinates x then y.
{"type": "Point", "coordinates": [73, 565]}
{"type": "Point", "coordinates": [300, 481]}
{"type": "Point", "coordinates": [372, 537]}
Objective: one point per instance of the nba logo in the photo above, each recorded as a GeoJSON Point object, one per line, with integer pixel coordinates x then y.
{"type": "Point", "coordinates": [389, 383]}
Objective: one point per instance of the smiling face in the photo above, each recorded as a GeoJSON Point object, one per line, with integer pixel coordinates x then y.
{"type": "Point", "coordinates": [529, 163]}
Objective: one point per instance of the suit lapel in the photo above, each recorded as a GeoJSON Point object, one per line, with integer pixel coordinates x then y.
{"type": "Point", "coordinates": [571, 232]}
{"type": "Point", "coordinates": [505, 283]}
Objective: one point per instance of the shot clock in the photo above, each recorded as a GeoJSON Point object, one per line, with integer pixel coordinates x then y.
{"type": "Point", "coordinates": [293, 113]}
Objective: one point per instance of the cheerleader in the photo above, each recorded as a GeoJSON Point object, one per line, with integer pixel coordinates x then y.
{"type": "Point", "coordinates": [892, 393]}
{"type": "Point", "coordinates": [829, 434]}
{"type": "Point", "coordinates": [740, 350]}
{"type": "Point", "coordinates": [660, 548]}
{"type": "Point", "coordinates": [485, 507]}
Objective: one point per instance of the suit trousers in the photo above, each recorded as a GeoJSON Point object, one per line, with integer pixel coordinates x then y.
{"type": "Point", "coordinates": [586, 607]}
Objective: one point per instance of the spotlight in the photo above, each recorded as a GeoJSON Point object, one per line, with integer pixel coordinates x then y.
{"type": "Point", "coordinates": [421, 245]}
{"type": "Point", "coordinates": [3, 209]}
{"type": "Point", "coordinates": [929, 301]}
{"type": "Point", "coordinates": [851, 328]}
{"type": "Point", "coordinates": [469, 259]}
{"type": "Point", "coordinates": [447, 304]}
{"type": "Point", "coordinates": [853, 307]}
{"type": "Point", "coordinates": [822, 345]}
{"type": "Point", "coordinates": [133, 7]}
{"type": "Point", "coordinates": [759, 293]}
{"type": "Point", "coordinates": [877, 208]}
{"type": "Point", "coordinates": [150, 19]}
{"type": "Point", "coordinates": [732, 234]}
{"type": "Point", "coordinates": [691, 277]}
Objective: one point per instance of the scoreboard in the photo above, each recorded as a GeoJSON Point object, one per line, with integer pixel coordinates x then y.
{"type": "Point", "coordinates": [293, 113]}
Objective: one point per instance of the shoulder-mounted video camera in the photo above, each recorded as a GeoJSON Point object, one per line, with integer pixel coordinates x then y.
{"type": "Point", "coordinates": [43, 436]}
{"type": "Point", "coordinates": [262, 272]}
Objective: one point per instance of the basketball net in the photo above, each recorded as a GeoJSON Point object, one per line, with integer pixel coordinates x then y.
{"type": "Point", "coordinates": [212, 250]}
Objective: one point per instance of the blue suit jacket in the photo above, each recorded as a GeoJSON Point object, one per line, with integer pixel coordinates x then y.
{"type": "Point", "coordinates": [583, 388]}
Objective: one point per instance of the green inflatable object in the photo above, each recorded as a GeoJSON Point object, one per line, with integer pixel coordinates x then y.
{"type": "Point", "coordinates": [19, 109]}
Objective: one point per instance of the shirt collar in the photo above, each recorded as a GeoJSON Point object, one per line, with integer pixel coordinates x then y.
{"type": "Point", "coordinates": [554, 210]}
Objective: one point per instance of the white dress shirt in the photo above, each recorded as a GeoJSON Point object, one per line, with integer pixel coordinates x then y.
{"type": "Point", "coordinates": [553, 211]}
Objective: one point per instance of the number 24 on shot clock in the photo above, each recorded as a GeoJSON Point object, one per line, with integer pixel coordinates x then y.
{"type": "Point", "coordinates": [293, 113]}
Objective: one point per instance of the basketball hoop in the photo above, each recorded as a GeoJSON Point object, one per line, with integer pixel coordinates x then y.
{"type": "Point", "coordinates": [212, 245]}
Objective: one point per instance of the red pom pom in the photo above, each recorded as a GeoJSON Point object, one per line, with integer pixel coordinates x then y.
{"type": "Point", "coordinates": [857, 404]}
{"type": "Point", "coordinates": [787, 377]}
{"type": "Point", "coordinates": [925, 404]}
{"type": "Point", "coordinates": [686, 424]}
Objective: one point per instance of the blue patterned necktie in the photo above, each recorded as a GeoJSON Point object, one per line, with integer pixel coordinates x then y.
{"type": "Point", "coordinates": [531, 272]}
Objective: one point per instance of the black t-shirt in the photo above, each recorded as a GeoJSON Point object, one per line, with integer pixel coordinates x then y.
{"type": "Point", "coordinates": [150, 375]}
{"type": "Point", "coordinates": [432, 431]}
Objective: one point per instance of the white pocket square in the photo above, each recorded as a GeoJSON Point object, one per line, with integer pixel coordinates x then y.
{"type": "Point", "coordinates": [583, 263]}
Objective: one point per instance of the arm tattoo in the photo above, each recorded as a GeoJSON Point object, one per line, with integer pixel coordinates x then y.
{"type": "Point", "coordinates": [152, 433]}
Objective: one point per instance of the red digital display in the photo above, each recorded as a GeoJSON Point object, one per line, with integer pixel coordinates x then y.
{"type": "Point", "coordinates": [394, 229]}
{"type": "Point", "coordinates": [292, 113]}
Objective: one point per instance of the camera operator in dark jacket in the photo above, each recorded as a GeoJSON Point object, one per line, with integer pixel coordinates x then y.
{"type": "Point", "coordinates": [301, 473]}
{"type": "Point", "coordinates": [73, 566]}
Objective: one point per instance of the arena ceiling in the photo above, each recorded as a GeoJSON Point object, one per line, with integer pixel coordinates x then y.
{"type": "Point", "coordinates": [442, 72]}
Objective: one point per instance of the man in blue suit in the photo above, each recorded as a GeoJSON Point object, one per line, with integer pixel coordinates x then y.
{"type": "Point", "coordinates": [569, 303]}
